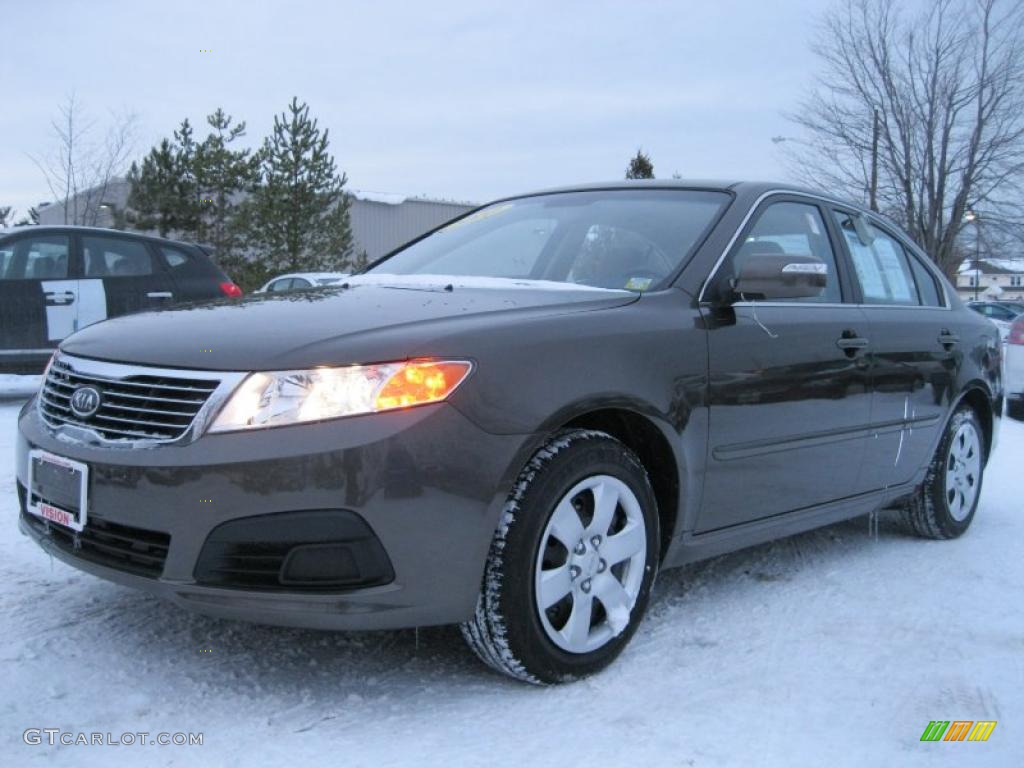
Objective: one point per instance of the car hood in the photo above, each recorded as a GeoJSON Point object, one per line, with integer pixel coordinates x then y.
{"type": "Point", "coordinates": [371, 318]}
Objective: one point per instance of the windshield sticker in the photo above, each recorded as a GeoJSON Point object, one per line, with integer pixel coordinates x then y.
{"type": "Point", "coordinates": [486, 213]}
{"type": "Point", "coordinates": [639, 283]}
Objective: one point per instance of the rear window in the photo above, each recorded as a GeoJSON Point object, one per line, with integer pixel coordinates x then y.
{"type": "Point", "coordinates": [185, 262]}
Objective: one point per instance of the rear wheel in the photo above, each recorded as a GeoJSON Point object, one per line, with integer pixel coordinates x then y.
{"type": "Point", "coordinates": [572, 563]}
{"type": "Point", "coordinates": [944, 506]}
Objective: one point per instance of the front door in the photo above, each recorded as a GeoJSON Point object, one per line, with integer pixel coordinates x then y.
{"type": "Point", "coordinates": [38, 297]}
{"type": "Point", "coordinates": [789, 398]}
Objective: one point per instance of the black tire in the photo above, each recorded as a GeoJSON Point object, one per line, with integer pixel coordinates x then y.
{"type": "Point", "coordinates": [928, 512]}
{"type": "Point", "coordinates": [1015, 409]}
{"type": "Point", "coordinates": [506, 631]}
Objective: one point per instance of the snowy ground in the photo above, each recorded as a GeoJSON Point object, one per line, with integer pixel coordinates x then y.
{"type": "Point", "coordinates": [827, 649]}
{"type": "Point", "coordinates": [15, 386]}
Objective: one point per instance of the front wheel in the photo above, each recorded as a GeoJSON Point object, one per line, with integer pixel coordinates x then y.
{"type": "Point", "coordinates": [944, 506]}
{"type": "Point", "coordinates": [571, 564]}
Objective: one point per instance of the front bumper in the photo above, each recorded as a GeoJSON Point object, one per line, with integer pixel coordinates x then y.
{"type": "Point", "coordinates": [427, 481]}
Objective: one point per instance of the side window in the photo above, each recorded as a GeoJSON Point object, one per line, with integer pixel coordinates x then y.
{"type": "Point", "coordinates": [283, 284]}
{"type": "Point", "coordinates": [881, 266]}
{"type": "Point", "coordinates": [795, 229]}
{"type": "Point", "coordinates": [997, 312]}
{"type": "Point", "coordinates": [44, 257]}
{"type": "Point", "coordinates": [115, 257]}
{"type": "Point", "coordinates": [6, 256]}
{"type": "Point", "coordinates": [927, 287]}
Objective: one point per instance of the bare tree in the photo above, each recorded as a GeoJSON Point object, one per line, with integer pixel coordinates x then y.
{"type": "Point", "coordinates": [921, 115]}
{"type": "Point", "coordinates": [81, 168]}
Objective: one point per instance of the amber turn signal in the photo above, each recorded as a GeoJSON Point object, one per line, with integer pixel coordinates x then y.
{"type": "Point", "coordinates": [421, 382]}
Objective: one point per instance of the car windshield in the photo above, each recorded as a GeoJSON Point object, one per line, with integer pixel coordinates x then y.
{"type": "Point", "coordinates": [622, 239]}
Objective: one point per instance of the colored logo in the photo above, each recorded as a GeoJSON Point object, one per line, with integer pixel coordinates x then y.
{"type": "Point", "coordinates": [85, 401]}
{"type": "Point", "coordinates": [958, 730]}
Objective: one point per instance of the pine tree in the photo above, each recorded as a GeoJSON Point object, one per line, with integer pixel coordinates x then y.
{"type": "Point", "coordinates": [188, 185]}
{"type": "Point", "coordinates": [191, 189]}
{"type": "Point", "coordinates": [359, 261]}
{"type": "Point", "coordinates": [298, 213]}
{"type": "Point", "coordinates": [153, 202]}
{"type": "Point", "coordinates": [7, 217]}
{"type": "Point", "coordinates": [223, 174]}
{"type": "Point", "coordinates": [640, 167]}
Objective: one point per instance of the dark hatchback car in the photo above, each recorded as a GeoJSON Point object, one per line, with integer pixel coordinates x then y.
{"type": "Point", "coordinates": [57, 279]}
{"type": "Point", "coordinates": [995, 310]}
{"type": "Point", "coordinates": [517, 420]}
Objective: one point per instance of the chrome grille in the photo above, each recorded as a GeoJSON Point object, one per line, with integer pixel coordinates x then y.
{"type": "Point", "coordinates": [135, 406]}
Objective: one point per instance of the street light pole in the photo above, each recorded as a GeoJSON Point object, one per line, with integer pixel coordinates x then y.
{"type": "Point", "coordinates": [873, 191]}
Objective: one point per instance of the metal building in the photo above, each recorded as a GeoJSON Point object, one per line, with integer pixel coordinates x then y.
{"type": "Point", "coordinates": [382, 222]}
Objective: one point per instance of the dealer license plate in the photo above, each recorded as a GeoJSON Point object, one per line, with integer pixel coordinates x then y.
{"type": "Point", "coordinates": [58, 489]}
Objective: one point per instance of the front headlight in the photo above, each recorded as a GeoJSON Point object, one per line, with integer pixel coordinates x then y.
{"type": "Point", "coordinates": [293, 397]}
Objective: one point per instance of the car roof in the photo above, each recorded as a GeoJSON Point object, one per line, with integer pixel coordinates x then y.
{"type": "Point", "coordinates": [721, 185]}
{"type": "Point", "coordinates": [40, 228]}
{"type": "Point", "coordinates": [749, 191]}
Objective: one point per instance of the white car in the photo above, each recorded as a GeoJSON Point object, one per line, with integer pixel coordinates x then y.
{"type": "Point", "coordinates": [298, 280]}
{"type": "Point", "coordinates": [1014, 370]}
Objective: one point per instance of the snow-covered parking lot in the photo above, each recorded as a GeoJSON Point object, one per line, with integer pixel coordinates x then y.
{"type": "Point", "coordinates": [832, 648]}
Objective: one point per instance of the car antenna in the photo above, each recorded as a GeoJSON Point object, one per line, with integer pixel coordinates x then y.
{"type": "Point", "coordinates": [753, 313]}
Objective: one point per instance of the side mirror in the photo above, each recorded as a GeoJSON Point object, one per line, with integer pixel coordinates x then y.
{"type": "Point", "coordinates": [768, 276]}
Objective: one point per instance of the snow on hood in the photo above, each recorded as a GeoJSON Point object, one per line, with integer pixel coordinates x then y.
{"type": "Point", "coordinates": [440, 282]}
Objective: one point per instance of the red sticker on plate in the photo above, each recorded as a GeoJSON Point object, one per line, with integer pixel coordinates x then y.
{"type": "Point", "coordinates": [55, 514]}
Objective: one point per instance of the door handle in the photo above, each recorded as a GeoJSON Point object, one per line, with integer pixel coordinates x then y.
{"type": "Point", "coordinates": [160, 295]}
{"type": "Point", "coordinates": [948, 339]}
{"type": "Point", "coordinates": [851, 343]}
{"type": "Point", "coordinates": [59, 299]}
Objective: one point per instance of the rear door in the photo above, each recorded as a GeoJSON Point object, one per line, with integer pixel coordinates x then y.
{"type": "Point", "coordinates": [915, 350]}
{"type": "Point", "coordinates": [120, 275]}
{"type": "Point", "coordinates": [788, 396]}
{"type": "Point", "coordinates": [38, 294]}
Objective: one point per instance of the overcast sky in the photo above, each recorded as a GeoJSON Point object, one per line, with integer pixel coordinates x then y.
{"type": "Point", "coordinates": [467, 100]}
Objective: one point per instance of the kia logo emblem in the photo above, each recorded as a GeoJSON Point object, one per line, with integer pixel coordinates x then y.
{"type": "Point", "coordinates": [85, 401]}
